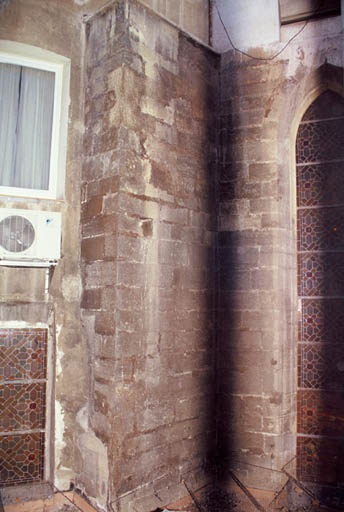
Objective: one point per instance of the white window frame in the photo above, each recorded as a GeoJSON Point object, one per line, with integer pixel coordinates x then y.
{"type": "Point", "coordinates": [33, 57]}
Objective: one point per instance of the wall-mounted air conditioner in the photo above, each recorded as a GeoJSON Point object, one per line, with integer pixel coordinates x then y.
{"type": "Point", "coordinates": [29, 237]}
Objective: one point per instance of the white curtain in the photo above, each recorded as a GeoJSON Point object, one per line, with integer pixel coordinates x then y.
{"type": "Point", "coordinates": [9, 87]}
{"type": "Point", "coordinates": [26, 114]}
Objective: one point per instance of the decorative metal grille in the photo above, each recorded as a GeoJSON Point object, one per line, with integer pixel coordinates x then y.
{"type": "Point", "coordinates": [23, 374]}
{"type": "Point", "coordinates": [16, 233]}
{"type": "Point", "coordinates": [320, 205]}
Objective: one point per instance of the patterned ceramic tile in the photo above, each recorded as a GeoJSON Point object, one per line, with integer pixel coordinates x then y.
{"type": "Point", "coordinates": [22, 406]}
{"type": "Point", "coordinates": [321, 366]}
{"type": "Point", "coordinates": [318, 141]}
{"type": "Point", "coordinates": [22, 354]}
{"type": "Point", "coordinates": [321, 229]}
{"type": "Point", "coordinates": [322, 320]}
{"type": "Point", "coordinates": [320, 184]}
{"type": "Point", "coordinates": [21, 458]}
{"type": "Point", "coordinates": [319, 460]}
{"type": "Point", "coordinates": [320, 412]}
{"type": "Point", "coordinates": [321, 274]}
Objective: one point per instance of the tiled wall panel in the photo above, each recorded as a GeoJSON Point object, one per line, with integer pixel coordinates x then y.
{"type": "Point", "coordinates": [23, 372]}
{"type": "Point", "coordinates": [319, 184]}
{"type": "Point", "coordinates": [21, 458]}
{"type": "Point", "coordinates": [22, 354]}
{"type": "Point", "coordinates": [318, 141]}
{"type": "Point", "coordinates": [322, 319]}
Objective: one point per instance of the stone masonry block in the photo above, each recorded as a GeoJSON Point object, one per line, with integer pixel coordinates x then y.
{"type": "Point", "coordinates": [262, 172]}
{"type": "Point", "coordinates": [108, 297]}
{"type": "Point", "coordinates": [91, 298]}
{"type": "Point", "coordinates": [103, 187]}
{"type": "Point", "coordinates": [129, 298]}
{"type": "Point", "coordinates": [100, 273]}
{"type": "Point", "coordinates": [110, 371]}
{"type": "Point", "coordinates": [104, 346]}
{"type": "Point", "coordinates": [155, 416]}
{"type": "Point", "coordinates": [270, 220]}
{"type": "Point", "coordinates": [129, 322]}
{"type": "Point", "coordinates": [110, 246]}
{"type": "Point", "coordinates": [91, 208]}
{"type": "Point", "coordinates": [133, 274]}
{"type": "Point", "coordinates": [100, 225]}
{"type": "Point", "coordinates": [174, 214]}
{"type": "Point", "coordinates": [263, 205]}
{"type": "Point", "coordinates": [92, 249]}
{"type": "Point", "coordinates": [173, 253]}
{"type": "Point", "coordinates": [131, 249]}
{"type": "Point", "coordinates": [263, 279]}
{"type": "Point", "coordinates": [105, 322]}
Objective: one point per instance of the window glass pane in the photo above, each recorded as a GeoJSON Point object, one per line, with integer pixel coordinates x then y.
{"type": "Point", "coordinates": [9, 102]}
{"type": "Point", "coordinates": [32, 110]}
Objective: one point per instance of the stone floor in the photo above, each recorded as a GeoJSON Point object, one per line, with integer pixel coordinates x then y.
{"type": "Point", "coordinates": [217, 500]}
{"type": "Point", "coordinates": [212, 499]}
{"type": "Point", "coordinates": [58, 502]}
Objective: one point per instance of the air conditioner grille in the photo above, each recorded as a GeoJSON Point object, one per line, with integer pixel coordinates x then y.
{"type": "Point", "coordinates": [16, 233]}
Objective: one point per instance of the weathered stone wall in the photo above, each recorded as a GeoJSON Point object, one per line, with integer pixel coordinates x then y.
{"type": "Point", "coordinates": [148, 249]}
{"type": "Point", "coordinates": [192, 16]}
{"type": "Point", "coordinates": [261, 105]}
{"type": "Point", "coordinates": [181, 326]}
{"type": "Point", "coordinates": [54, 26]}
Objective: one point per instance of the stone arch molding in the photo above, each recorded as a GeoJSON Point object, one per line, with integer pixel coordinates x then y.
{"type": "Point", "coordinates": [319, 167]}
{"type": "Point", "coordinates": [287, 110]}
{"type": "Point", "coordinates": [296, 103]}
{"type": "Point", "coordinates": [326, 77]}
{"type": "Point", "coordinates": [294, 106]}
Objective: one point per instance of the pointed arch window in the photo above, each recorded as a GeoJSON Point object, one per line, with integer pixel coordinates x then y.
{"type": "Point", "coordinates": [320, 218]}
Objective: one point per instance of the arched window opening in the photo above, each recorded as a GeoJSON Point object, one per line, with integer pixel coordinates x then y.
{"type": "Point", "coordinates": [320, 240]}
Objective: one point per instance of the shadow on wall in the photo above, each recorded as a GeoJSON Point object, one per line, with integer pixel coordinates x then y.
{"type": "Point", "coordinates": [321, 289]}
{"type": "Point", "coordinates": [230, 286]}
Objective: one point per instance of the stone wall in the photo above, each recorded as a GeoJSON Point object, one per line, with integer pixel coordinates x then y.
{"type": "Point", "coordinates": [192, 16]}
{"type": "Point", "coordinates": [54, 26]}
{"type": "Point", "coordinates": [188, 249]}
{"type": "Point", "coordinates": [262, 102]}
{"type": "Point", "coordinates": [148, 252]}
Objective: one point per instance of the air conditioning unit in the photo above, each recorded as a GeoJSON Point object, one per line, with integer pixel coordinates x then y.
{"type": "Point", "coordinates": [29, 238]}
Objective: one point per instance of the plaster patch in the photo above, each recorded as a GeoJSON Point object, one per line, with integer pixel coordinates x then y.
{"type": "Point", "coordinates": [313, 52]}
{"type": "Point", "coordinates": [82, 418]}
{"type": "Point", "coordinates": [71, 288]}
{"type": "Point", "coordinates": [63, 475]}
{"type": "Point", "coordinates": [95, 468]}
{"type": "Point", "coordinates": [81, 2]}
{"type": "Point", "coordinates": [79, 126]}
{"type": "Point", "coordinates": [59, 352]}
